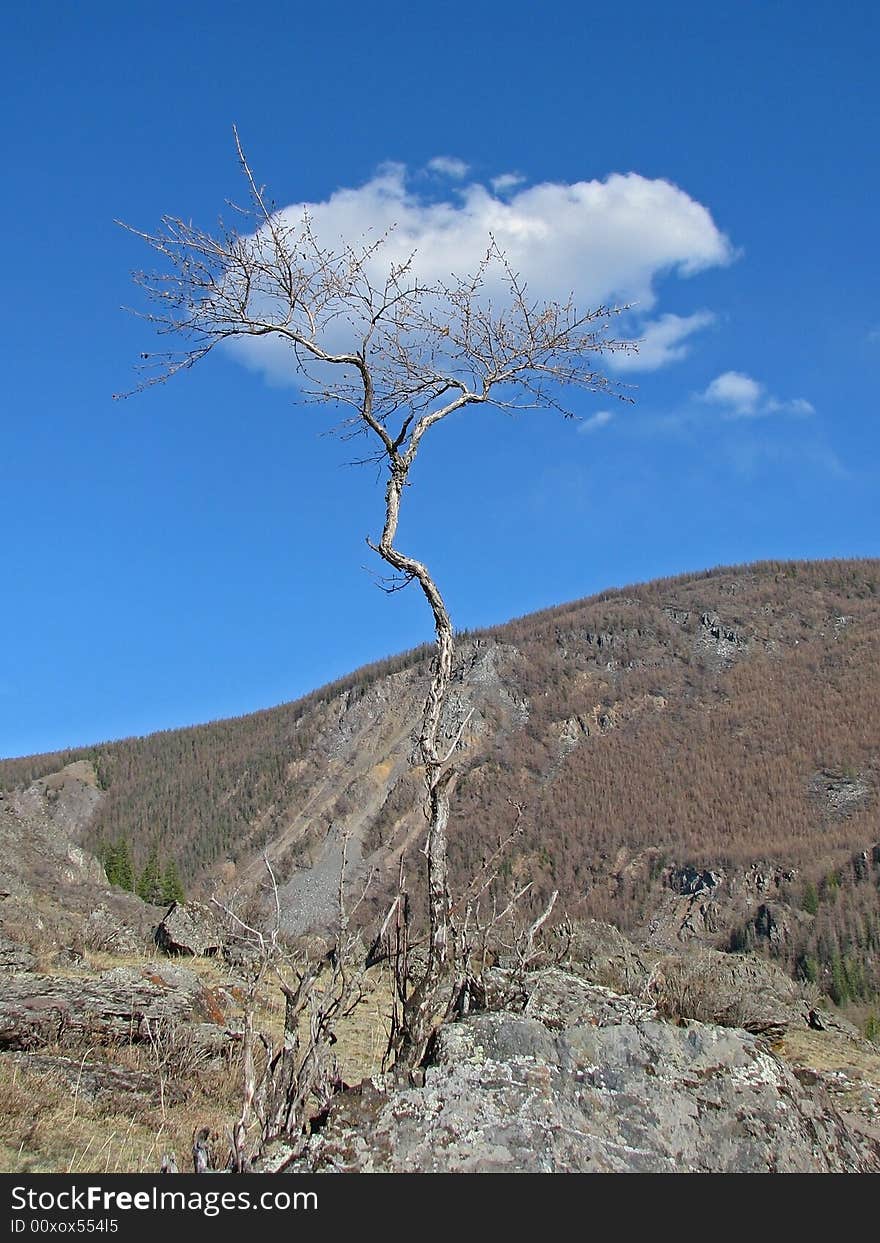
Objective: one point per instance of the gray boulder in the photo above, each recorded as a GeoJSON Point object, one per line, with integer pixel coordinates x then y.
{"type": "Point", "coordinates": [190, 929]}
{"type": "Point", "coordinates": [506, 1094]}
{"type": "Point", "coordinates": [601, 953]}
{"type": "Point", "coordinates": [98, 1080]}
{"type": "Point", "coordinates": [560, 1000]}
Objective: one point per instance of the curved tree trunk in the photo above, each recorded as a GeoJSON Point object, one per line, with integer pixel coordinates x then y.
{"type": "Point", "coordinates": [425, 1005]}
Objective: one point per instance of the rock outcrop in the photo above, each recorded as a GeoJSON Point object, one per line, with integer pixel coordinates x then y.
{"type": "Point", "coordinates": [94, 1079]}
{"type": "Point", "coordinates": [191, 929]}
{"type": "Point", "coordinates": [730, 990]}
{"type": "Point", "coordinates": [54, 895]}
{"type": "Point", "coordinates": [122, 1006]}
{"type": "Point", "coordinates": [590, 1086]}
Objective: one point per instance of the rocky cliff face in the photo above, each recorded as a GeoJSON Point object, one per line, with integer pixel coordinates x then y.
{"type": "Point", "coordinates": [40, 824]}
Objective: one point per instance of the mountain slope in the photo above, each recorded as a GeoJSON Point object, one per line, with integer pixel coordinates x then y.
{"type": "Point", "coordinates": [696, 758]}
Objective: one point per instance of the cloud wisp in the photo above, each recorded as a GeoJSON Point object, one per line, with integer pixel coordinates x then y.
{"type": "Point", "coordinates": [506, 181]}
{"type": "Point", "coordinates": [662, 341]}
{"type": "Point", "coordinates": [448, 166]}
{"type": "Point", "coordinates": [739, 396]}
{"type": "Point", "coordinates": [606, 242]}
{"type": "Point", "coordinates": [600, 419]}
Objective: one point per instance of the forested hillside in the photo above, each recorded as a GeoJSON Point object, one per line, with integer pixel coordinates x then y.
{"type": "Point", "coordinates": [694, 757]}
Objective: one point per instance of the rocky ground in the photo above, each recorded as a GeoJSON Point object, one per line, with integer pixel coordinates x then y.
{"type": "Point", "coordinates": [573, 1075]}
{"type": "Point", "coordinates": [506, 1093]}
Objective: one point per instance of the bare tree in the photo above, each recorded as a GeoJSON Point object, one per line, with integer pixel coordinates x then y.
{"type": "Point", "coordinates": [284, 1083]}
{"type": "Point", "coordinates": [396, 356]}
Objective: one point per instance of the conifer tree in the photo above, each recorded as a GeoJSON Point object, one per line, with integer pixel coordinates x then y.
{"type": "Point", "coordinates": [172, 886]}
{"type": "Point", "coordinates": [149, 886]}
{"type": "Point", "coordinates": [810, 901]}
{"type": "Point", "coordinates": [118, 865]}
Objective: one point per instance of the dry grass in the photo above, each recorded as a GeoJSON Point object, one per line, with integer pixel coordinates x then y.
{"type": "Point", "coordinates": [848, 1069]}
{"type": "Point", "coordinates": [832, 1052]}
{"type": "Point", "coordinates": [361, 1038]}
{"type": "Point", "coordinates": [51, 1127]}
{"type": "Point", "coordinates": [48, 1128]}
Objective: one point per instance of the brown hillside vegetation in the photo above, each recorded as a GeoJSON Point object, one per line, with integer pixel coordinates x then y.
{"type": "Point", "coordinates": [696, 756]}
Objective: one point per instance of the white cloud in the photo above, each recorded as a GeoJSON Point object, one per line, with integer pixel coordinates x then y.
{"type": "Point", "coordinates": [662, 341]}
{"type": "Point", "coordinates": [600, 419]}
{"type": "Point", "coordinates": [507, 181]}
{"type": "Point", "coordinates": [605, 242]}
{"type": "Point", "coordinates": [448, 166]}
{"type": "Point", "coordinates": [735, 390]}
{"type": "Point", "coordinates": [742, 397]}
{"type": "Point", "coordinates": [798, 405]}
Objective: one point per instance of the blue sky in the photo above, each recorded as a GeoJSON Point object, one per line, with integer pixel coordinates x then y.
{"type": "Point", "coordinates": [199, 551]}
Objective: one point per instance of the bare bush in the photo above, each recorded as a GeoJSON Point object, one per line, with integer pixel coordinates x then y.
{"type": "Point", "coordinates": [285, 1082]}
{"type": "Point", "coordinates": [727, 990]}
